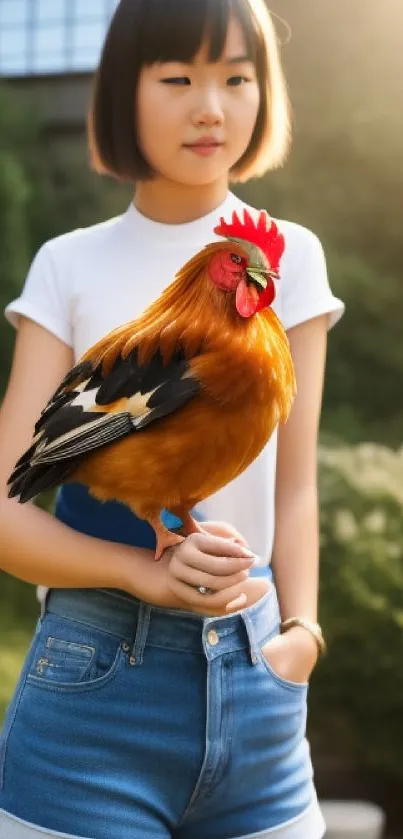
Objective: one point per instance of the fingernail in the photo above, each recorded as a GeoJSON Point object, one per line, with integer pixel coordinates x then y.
{"type": "Point", "coordinates": [237, 602]}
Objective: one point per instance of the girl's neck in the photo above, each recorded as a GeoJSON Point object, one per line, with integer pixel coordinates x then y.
{"type": "Point", "coordinates": [171, 203]}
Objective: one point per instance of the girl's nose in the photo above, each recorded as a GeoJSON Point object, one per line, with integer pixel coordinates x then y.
{"type": "Point", "coordinates": [208, 110]}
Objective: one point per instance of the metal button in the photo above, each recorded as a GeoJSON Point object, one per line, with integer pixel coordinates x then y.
{"type": "Point", "coordinates": [125, 647]}
{"type": "Point", "coordinates": [212, 637]}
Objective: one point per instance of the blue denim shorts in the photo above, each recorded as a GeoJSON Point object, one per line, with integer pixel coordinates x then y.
{"type": "Point", "coordinates": [136, 722]}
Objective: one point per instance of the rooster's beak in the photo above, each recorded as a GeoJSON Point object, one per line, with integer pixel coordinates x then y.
{"type": "Point", "coordinates": [259, 275]}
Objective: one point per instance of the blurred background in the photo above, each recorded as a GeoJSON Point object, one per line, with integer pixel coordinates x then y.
{"type": "Point", "coordinates": [344, 180]}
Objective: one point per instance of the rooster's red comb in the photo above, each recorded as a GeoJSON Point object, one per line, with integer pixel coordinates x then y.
{"type": "Point", "coordinates": [264, 234]}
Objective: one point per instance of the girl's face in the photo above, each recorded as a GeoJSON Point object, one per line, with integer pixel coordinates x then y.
{"type": "Point", "coordinates": [195, 121]}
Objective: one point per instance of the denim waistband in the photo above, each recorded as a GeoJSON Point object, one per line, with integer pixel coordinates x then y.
{"type": "Point", "coordinates": [140, 624]}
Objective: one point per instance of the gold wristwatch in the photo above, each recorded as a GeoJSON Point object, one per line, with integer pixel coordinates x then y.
{"type": "Point", "coordinates": [311, 626]}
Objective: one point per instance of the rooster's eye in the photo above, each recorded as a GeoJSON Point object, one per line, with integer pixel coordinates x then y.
{"type": "Point", "coordinates": [235, 258]}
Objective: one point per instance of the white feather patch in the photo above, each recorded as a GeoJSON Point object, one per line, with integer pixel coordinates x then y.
{"type": "Point", "coordinates": [85, 400]}
{"type": "Point", "coordinates": [137, 404]}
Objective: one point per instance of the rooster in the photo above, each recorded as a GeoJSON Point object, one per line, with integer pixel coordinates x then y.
{"type": "Point", "coordinates": [165, 410]}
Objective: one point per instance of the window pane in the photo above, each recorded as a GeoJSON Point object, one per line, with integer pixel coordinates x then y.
{"type": "Point", "coordinates": [83, 61]}
{"type": "Point", "coordinates": [88, 37]}
{"type": "Point", "coordinates": [49, 39]}
{"type": "Point", "coordinates": [50, 10]}
{"type": "Point", "coordinates": [90, 9]}
{"type": "Point", "coordinates": [13, 11]}
{"type": "Point", "coordinates": [51, 62]}
{"type": "Point", "coordinates": [12, 41]}
{"type": "Point", "coordinates": [52, 35]}
{"type": "Point", "coordinates": [13, 65]}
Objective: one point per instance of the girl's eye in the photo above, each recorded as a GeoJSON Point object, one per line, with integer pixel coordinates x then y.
{"type": "Point", "coordinates": [180, 80]}
{"type": "Point", "coordinates": [236, 81]}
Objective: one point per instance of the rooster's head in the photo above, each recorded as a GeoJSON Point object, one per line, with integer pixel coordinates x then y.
{"type": "Point", "coordinates": [250, 265]}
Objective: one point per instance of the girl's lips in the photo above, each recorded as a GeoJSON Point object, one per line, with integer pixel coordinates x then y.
{"type": "Point", "coordinates": [204, 149]}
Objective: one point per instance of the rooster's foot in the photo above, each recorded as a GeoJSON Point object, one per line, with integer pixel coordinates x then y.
{"type": "Point", "coordinates": [189, 524]}
{"type": "Point", "coordinates": [165, 537]}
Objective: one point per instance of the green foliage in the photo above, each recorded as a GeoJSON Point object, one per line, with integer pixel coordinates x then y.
{"type": "Point", "coordinates": [14, 201]}
{"type": "Point", "coordinates": [14, 642]}
{"type": "Point", "coordinates": [365, 361]}
{"type": "Point", "coordinates": [357, 689]}
{"type": "Point", "coordinates": [18, 603]}
{"type": "Point", "coordinates": [46, 189]}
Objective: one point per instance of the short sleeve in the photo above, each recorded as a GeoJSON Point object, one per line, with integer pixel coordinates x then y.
{"type": "Point", "coordinates": [44, 298]}
{"type": "Point", "coordinates": [305, 289]}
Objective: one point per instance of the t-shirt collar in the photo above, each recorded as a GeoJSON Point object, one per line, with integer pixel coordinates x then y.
{"type": "Point", "coordinates": [172, 232]}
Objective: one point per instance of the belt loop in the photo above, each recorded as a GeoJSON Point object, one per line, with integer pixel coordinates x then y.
{"type": "Point", "coordinates": [143, 622]}
{"type": "Point", "coordinates": [251, 636]}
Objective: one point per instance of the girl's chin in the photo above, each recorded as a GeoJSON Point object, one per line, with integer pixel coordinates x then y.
{"type": "Point", "coordinates": [198, 175]}
{"type": "Point", "coordinates": [203, 172]}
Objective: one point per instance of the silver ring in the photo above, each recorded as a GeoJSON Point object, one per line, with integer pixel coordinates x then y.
{"type": "Point", "coordinates": [204, 590]}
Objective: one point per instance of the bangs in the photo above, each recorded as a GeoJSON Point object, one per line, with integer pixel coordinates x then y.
{"type": "Point", "coordinates": [173, 30]}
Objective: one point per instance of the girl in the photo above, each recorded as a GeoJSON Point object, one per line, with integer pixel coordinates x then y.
{"type": "Point", "coordinates": [147, 707]}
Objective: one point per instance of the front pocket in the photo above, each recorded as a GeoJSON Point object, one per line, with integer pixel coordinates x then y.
{"type": "Point", "coordinates": [64, 661]}
{"type": "Point", "coordinates": [72, 656]}
{"type": "Point", "coordinates": [286, 683]}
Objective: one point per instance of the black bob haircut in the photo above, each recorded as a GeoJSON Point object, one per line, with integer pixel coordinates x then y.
{"type": "Point", "coordinates": [143, 32]}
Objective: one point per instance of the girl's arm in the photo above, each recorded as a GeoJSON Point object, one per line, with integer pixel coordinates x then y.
{"type": "Point", "coordinates": [37, 548]}
{"type": "Point", "coordinates": [296, 546]}
{"type": "Point", "coordinates": [295, 557]}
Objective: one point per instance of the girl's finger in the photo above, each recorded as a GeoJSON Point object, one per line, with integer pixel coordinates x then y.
{"type": "Point", "coordinates": [216, 545]}
{"type": "Point", "coordinates": [229, 599]}
{"type": "Point", "coordinates": [237, 603]}
{"type": "Point", "coordinates": [193, 577]}
{"type": "Point", "coordinates": [215, 566]}
{"type": "Point", "coordinates": [226, 531]}
{"type": "Point", "coordinates": [216, 601]}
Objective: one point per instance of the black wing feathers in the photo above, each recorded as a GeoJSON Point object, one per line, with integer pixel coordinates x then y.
{"type": "Point", "coordinates": [128, 377]}
{"type": "Point", "coordinates": [71, 425]}
{"type": "Point", "coordinates": [76, 376]}
{"type": "Point", "coordinates": [38, 479]}
{"type": "Point", "coordinates": [168, 398]}
{"type": "Point", "coordinates": [64, 393]}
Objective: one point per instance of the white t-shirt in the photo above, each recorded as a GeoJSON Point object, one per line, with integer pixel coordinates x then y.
{"type": "Point", "coordinates": [87, 282]}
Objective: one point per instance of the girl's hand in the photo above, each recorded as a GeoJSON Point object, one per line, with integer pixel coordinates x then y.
{"type": "Point", "coordinates": [292, 655]}
{"type": "Point", "coordinates": [221, 528]}
{"type": "Point", "coordinates": [212, 561]}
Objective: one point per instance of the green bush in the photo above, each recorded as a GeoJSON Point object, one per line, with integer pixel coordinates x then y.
{"type": "Point", "coordinates": [357, 689]}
